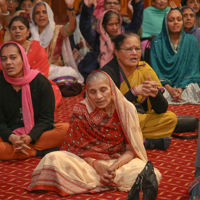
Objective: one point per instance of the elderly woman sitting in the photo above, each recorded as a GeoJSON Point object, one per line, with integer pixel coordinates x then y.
{"type": "Point", "coordinates": [103, 148]}
{"type": "Point", "coordinates": [26, 108]}
{"type": "Point", "coordinates": [140, 85]}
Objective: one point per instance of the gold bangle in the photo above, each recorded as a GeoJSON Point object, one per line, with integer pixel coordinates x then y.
{"type": "Point", "coordinates": [119, 164]}
{"type": "Point", "coordinates": [94, 162]}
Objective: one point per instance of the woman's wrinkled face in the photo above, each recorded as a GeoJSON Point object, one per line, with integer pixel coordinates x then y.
{"type": "Point", "coordinates": [19, 32]}
{"type": "Point", "coordinates": [175, 21]}
{"type": "Point", "coordinates": [189, 19]}
{"type": "Point", "coordinates": [99, 92]}
{"type": "Point", "coordinates": [11, 61]}
{"type": "Point", "coordinates": [112, 26]}
{"type": "Point", "coordinates": [40, 16]}
{"type": "Point", "coordinates": [195, 4]}
{"type": "Point", "coordinates": [27, 5]}
{"type": "Point", "coordinates": [129, 53]}
{"type": "Point", "coordinates": [161, 4]}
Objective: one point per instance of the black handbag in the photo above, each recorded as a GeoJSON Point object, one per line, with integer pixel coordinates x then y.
{"type": "Point", "coordinates": [186, 124]}
{"type": "Point", "coordinates": [137, 105]}
{"type": "Point", "coordinates": [146, 184]}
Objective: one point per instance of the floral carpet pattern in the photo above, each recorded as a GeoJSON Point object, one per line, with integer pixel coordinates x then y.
{"type": "Point", "coordinates": [176, 165]}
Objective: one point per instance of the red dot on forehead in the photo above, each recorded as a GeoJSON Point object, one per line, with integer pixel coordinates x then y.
{"type": "Point", "coordinates": [40, 7]}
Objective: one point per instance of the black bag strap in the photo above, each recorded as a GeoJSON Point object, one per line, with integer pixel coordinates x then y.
{"type": "Point", "coordinates": [124, 77]}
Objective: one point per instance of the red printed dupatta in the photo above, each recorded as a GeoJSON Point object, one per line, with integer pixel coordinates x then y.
{"type": "Point", "coordinates": [85, 138]}
{"type": "Point", "coordinates": [94, 135]}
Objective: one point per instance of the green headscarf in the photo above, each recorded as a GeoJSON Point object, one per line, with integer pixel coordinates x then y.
{"type": "Point", "coordinates": [178, 65]}
{"type": "Point", "coordinates": [152, 21]}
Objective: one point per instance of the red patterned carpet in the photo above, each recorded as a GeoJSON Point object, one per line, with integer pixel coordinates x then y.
{"type": "Point", "coordinates": [176, 165]}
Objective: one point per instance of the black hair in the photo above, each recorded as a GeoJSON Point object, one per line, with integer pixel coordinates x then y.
{"type": "Point", "coordinates": [184, 2]}
{"type": "Point", "coordinates": [26, 0]}
{"type": "Point", "coordinates": [23, 20]}
{"type": "Point", "coordinates": [176, 8]}
{"type": "Point", "coordinates": [119, 39]}
{"type": "Point", "coordinates": [19, 7]}
{"type": "Point", "coordinates": [108, 16]}
{"type": "Point", "coordinates": [11, 44]}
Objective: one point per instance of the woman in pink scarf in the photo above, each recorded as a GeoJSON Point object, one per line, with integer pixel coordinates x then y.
{"type": "Point", "coordinates": [99, 9]}
{"type": "Point", "coordinates": [108, 25]}
{"type": "Point", "coordinates": [27, 107]}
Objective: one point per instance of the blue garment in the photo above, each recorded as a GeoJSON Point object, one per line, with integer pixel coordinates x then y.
{"type": "Point", "coordinates": [179, 66]}
{"type": "Point", "coordinates": [196, 32]}
{"type": "Point", "coordinates": [90, 61]}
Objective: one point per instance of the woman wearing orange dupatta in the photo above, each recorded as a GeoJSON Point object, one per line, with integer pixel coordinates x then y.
{"type": "Point", "coordinates": [37, 57]}
{"type": "Point", "coordinates": [103, 148]}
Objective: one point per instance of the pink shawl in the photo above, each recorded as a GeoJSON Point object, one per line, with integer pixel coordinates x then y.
{"type": "Point", "coordinates": [106, 45]}
{"type": "Point", "coordinates": [27, 106]}
{"type": "Point", "coordinates": [99, 9]}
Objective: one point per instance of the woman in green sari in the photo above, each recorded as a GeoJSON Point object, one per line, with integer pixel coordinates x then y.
{"type": "Point", "coordinates": [175, 59]}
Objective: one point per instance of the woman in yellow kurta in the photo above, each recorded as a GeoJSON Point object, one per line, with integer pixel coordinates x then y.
{"type": "Point", "coordinates": [143, 89]}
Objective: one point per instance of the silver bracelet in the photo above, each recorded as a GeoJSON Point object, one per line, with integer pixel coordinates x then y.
{"type": "Point", "coordinates": [5, 14]}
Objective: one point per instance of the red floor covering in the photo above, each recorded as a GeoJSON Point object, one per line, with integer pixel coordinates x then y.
{"type": "Point", "coordinates": [176, 165]}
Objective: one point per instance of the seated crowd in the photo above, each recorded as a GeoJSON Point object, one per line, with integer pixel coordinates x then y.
{"type": "Point", "coordinates": [125, 110]}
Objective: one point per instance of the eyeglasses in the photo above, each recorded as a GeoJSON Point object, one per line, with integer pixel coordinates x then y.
{"type": "Point", "coordinates": [14, 1]}
{"type": "Point", "coordinates": [130, 50]}
{"type": "Point", "coordinates": [110, 3]}
{"type": "Point", "coordinates": [25, 6]}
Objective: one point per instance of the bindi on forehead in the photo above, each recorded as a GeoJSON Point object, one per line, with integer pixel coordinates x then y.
{"type": "Point", "coordinates": [40, 8]}
{"type": "Point", "coordinates": [8, 54]}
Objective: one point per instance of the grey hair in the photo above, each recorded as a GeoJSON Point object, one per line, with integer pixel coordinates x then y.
{"type": "Point", "coordinates": [34, 8]}
{"type": "Point", "coordinates": [96, 75]}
